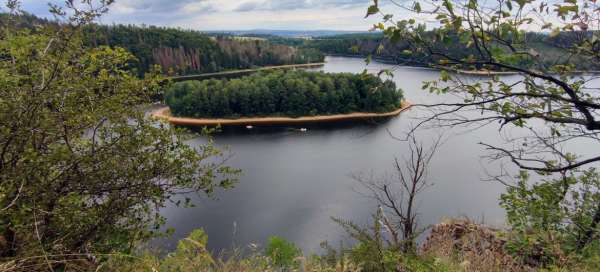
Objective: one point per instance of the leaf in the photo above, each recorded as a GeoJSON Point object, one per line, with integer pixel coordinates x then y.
{"type": "Point", "coordinates": [472, 4]}
{"type": "Point", "coordinates": [449, 7]}
{"type": "Point", "coordinates": [444, 76]}
{"type": "Point", "coordinates": [372, 10]}
{"type": "Point", "coordinates": [417, 7]}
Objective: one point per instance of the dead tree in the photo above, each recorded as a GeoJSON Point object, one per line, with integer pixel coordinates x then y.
{"type": "Point", "coordinates": [397, 195]}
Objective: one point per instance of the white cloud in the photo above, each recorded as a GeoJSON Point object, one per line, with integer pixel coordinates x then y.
{"type": "Point", "coordinates": [235, 14]}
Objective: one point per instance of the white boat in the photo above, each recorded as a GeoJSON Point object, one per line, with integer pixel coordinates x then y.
{"type": "Point", "coordinates": [303, 130]}
{"type": "Point", "coordinates": [249, 127]}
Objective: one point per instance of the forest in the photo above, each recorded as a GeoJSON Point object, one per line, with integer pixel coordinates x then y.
{"type": "Point", "coordinates": [183, 52]}
{"type": "Point", "coordinates": [545, 49]}
{"type": "Point", "coordinates": [280, 93]}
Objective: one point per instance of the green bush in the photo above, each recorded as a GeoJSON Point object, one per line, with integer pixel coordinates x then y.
{"type": "Point", "coordinates": [554, 220]}
{"type": "Point", "coordinates": [282, 253]}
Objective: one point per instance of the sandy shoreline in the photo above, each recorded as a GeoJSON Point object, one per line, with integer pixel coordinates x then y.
{"type": "Point", "coordinates": [164, 114]}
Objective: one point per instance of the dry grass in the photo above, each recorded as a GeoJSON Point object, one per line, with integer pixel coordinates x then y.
{"type": "Point", "coordinates": [475, 247]}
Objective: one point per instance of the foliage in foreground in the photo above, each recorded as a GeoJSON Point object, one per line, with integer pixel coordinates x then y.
{"type": "Point", "coordinates": [546, 109]}
{"type": "Point", "coordinates": [292, 93]}
{"type": "Point", "coordinates": [554, 219]}
{"type": "Point", "coordinates": [192, 255]}
{"type": "Point", "coordinates": [82, 170]}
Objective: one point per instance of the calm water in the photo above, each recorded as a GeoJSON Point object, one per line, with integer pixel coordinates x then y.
{"type": "Point", "coordinates": [293, 182]}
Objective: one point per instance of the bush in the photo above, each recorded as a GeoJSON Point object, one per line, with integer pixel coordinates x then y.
{"type": "Point", "coordinates": [282, 253]}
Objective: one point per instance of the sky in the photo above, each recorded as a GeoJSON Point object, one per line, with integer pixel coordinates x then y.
{"type": "Point", "coordinates": [234, 14]}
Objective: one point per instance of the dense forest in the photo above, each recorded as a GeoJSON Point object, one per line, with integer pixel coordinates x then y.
{"type": "Point", "coordinates": [184, 52]}
{"type": "Point", "coordinates": [280, 93]}
{"type": "Point", "coordinates": [548, 48]}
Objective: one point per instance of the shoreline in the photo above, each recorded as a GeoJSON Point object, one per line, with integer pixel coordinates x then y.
{"type": "Point", "coordinates": [507, 73]}
{"type": "Point", "coordinates": [455, 71]}
{"type": "Point", "coordinates": [164, 114]}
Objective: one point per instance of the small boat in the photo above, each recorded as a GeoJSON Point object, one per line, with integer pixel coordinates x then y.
{"type": "Point", "coordinates": [303, 129]}
{"type": "Point", "coordinates": [249, 127]}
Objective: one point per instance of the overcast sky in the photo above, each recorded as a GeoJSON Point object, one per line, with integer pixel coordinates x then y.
{"type": "Point", "coordinates": [234, 14]}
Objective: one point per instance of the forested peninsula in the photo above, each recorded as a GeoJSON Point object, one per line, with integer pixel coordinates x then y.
{"type": "Point", "coordinates": [283, 94]}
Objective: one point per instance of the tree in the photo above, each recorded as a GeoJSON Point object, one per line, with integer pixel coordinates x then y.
{"type": "Point", "coordinates": [397, 195]}
{"type": "Point", "coordinates": [549, 100]}
{"type": "Point", "coordinates": [82, 170]}
{"type": "Point", "coordinates": [292, 93]}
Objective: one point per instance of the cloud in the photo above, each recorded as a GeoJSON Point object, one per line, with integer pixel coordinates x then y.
{"type": "Point", "coordinates": [275, 5]}
{"type": "Point", "coordinates": [154, 5]}
{"type": "Point", "coordinates": [234, 14]}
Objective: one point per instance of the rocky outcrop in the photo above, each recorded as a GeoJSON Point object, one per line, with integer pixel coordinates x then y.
{"type": "Point", "coordinates": [476, 247]}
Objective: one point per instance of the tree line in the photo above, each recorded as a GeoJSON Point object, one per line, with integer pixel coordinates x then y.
{"type": "Point", "coordinates": [546, 49]}
{"type": "Point", "coordinates": [182, 52]}
{"type": "Point", "coordinates": [281, 93]}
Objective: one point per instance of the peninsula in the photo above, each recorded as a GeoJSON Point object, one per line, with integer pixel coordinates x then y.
{"type": "Point", "coordinates": [282, 97]}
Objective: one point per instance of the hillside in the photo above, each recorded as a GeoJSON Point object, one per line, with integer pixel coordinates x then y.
{"type": "Point", "coordinates": [549, 49]}
{"type": "Point", "coordinates": [183, 52]}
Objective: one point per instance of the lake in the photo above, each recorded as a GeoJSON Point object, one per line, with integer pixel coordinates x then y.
{"type": "Point", "coordinates": [293, 182]}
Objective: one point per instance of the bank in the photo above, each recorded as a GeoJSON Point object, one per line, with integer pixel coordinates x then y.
{"type": "Point", "coordinates": [165, 114]}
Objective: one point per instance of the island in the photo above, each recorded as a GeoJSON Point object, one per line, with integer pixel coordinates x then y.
{"type": "Point", "coordinates": [282, 97]}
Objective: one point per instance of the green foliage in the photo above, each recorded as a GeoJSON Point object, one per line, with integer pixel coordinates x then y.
{"type": "Point", "coordinates": [282, 253]}
{"type": "Point", "coordinates": [82, 170]}
{"type": "Point", "coordinates": [292, 93]}
{"type": "Point", "coordinates": [553, 219]}
{"type": "Point", "coordinates": [191, 52]}
{"type": "Point", "coordinates": [371, 250]}
{"type": "Point", "coordinates": [191, 255]}
{"type": "Point", "coordinates": [374, 251]}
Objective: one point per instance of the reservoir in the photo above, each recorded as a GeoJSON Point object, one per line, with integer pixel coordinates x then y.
{"type": "Point", "coordinates": [294, 181]}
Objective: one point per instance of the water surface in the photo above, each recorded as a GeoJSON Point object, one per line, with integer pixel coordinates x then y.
{"type": "Point", "coordinates": [293, 181]}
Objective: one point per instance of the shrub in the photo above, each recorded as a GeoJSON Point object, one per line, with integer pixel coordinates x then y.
{"type": "Point", "coordinates": [282, 253]}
